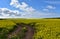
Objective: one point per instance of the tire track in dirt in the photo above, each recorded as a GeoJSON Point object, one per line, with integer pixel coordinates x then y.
{"type": "Point", "coordinates": [15, 32]}
{"type": "Point", "coordinates": [28, 35]}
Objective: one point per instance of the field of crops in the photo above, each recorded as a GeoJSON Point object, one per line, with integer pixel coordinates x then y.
{"type": "Point", "coordinates": [43, 28]}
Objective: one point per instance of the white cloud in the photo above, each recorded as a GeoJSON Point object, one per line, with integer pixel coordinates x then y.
{"type": "Point", "coordinates": [45, 10]}
{"type": "Point", "coordinates": [49, 7]}
{"type": "Point", "coordinates": [53, 2]}
{"type": "Point", "coordinates": [27, 11]}
{"type": "Point", "coordinates": [7, 12]}
{"type": "Point", "coordinates": [22, 6]}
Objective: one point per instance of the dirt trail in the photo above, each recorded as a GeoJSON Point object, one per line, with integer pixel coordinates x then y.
{"type": "Point", "coordinates": [28, 35]}
{"type": "Point", "coordinates": [16, 31]}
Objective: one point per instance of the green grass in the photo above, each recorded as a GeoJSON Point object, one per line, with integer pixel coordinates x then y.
{"type": "Point", "coordinates": [6, 24]}
{"type": "Point", "coordinates": [44, 28]}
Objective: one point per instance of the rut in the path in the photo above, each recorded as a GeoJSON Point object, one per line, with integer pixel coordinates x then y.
{"type": "Point", "coordinates": [28, 35]}
{"type": "Point", "coordinates": [18, 29]}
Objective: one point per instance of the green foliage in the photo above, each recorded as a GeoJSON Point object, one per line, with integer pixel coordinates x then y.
{"type": "Point", "coordinates": [21, 34]}
{"type": "Point", "coordinates": [44, 28]}
{"type": "Point", "coordinates": [3, 33]}
{"type": "Point", "coordinates": [24, 29]}
{"type": "Point", "coordinates": [14, 27]}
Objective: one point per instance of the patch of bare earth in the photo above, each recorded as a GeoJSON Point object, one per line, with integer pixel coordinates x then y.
{"type": "Point", "coordinates": [28, 35]}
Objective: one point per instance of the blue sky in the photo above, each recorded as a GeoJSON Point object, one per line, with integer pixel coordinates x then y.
{"type": "Point", "coordinates": [29, 8]}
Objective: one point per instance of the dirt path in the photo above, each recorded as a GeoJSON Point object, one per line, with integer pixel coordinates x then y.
{"type": "Point", "coordinates": [28, 35]}
{"type": "Point", "coordinates": [16, 31]}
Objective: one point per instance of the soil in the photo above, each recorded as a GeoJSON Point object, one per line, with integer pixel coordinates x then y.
{"type": "Point", "coordinates": [28, 35]}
